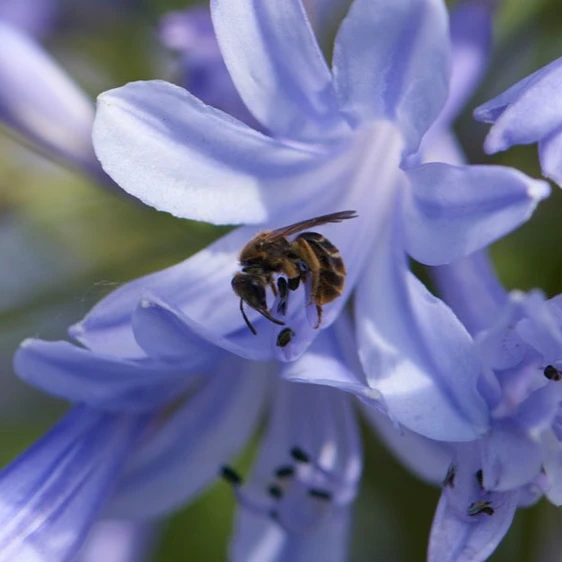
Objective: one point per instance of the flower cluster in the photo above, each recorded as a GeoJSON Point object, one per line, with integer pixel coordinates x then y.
{"type": "Point", "coordinates": [170, 375]}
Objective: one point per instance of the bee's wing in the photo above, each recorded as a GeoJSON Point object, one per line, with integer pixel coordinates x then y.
{"type": "Point", "coordinates": [310, 223]}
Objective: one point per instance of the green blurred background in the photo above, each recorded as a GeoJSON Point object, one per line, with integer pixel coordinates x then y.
{"type": "Point", "coordinates": [64, 243]}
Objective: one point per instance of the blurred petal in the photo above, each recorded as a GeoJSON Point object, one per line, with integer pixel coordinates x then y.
{"type": "Point", "coordinates": [119, 541]}
{"type": "Point", "coordinates": [50, 495]}
{"type": "Point", "coordinates": [426, 458]}
{"type": "Point", "coordinates": [391, 60]}
{"type": "Point", "coordinates": [319, 421]}
{"type": "Point", "coordinates": [453, 211]}
{"type": "Point", "coordinates": [274, 60]}
{"type": "Point", "coordinates": [416, 352]}
{"type": "Point", "coordinates": [471, 288]}
{"type": "Point", "coordinates": [471, 40]}
{"type": "Point", "coordinates": [164, 146]}
{"type": "Point", "coordinates": [104, 381]}
{"type": "Point", "coordinates": [35, 17]}
{"type": "Point", "coordinates": [186, 451]}
{"type": "Point", "coordinates": [525, 113]}
{"type": "Point", "coordinates": [202, 68]}
{"type": "Point", "coordinates": [42, 105]}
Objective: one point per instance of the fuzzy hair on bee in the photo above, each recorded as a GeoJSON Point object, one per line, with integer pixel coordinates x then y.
{"type": "Point", "coordinates": [272, 261]}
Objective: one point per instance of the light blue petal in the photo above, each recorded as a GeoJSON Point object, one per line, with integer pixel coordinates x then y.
{"type": "Point", "coordinates": [453, 211]}
{"type": "Point", "coordinates": [35, 17]}
{"type": "Point", "coordinates": [42, 105]}
{"type": "Point", "coordinates": [471, 288]}
{"type": "Point", "coordinates": [331, 360]}
{"type": "Point", "coordinates": [416, 352]}
{"type": "Point", "coordinates": [276, 64]}
{"type": "Point", "coordinates": [391, 61]}
{"type": "Point", "coordinates": [525, 113]}
{"type": "Point", "coordinates": [319, 421]}
{"type": "Point", "coordinates": [179, 155]}
{"type": "Point", "coordinates": [184, 454]}
{"type": "Point", "coordinates": [50, 495]}
{"type": "Point", "coordinates": [104, 381]}
{"type": "Point", "coordinates": [426, 458]}
{"type": "Point", "coordinates": [165, 332]}
{"type": "Point", "coordinates": [458, 539]}
{"type": "Point", "coordinates": [119, 541]}
{"type": "Point", "coordinates": [510, 459]}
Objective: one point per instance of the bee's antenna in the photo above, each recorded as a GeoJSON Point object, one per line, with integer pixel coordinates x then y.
{"type": "Point", "coordinates": [248, 323]}
{"type": "Point", "coordinates": [267, 315]}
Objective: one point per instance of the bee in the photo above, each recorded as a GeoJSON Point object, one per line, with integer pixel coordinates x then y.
{"type": "Point", "coordinates": [308, 256]}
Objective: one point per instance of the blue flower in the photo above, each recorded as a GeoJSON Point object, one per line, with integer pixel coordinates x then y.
{"type": "Point", "coordinates": [340, 139]}
{"type": "Point", "coordinates": [528, 112]}
{"type": "Point", "coordinates": [171, 350]}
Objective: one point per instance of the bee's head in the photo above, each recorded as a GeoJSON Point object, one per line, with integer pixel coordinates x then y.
{"type": "Point", "coordinates": [251, 289]}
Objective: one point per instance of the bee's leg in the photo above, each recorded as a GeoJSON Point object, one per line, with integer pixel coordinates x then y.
{"type": "Point", "coordinates": [283, 287]}
{"type": "Point", "coordinates": [293, 283]}
{"type": "Point", "coordinates": [319, 314]}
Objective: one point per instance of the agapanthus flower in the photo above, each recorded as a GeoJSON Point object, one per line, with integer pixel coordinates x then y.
{"type": "Point", "coordinates": [340, 139]}
{"type": "Point", "coordinates": [528, 112]}
{"type": "Point", "coordinates": [172, 347]}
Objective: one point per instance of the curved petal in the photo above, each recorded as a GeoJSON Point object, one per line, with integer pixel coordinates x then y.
{"type": "Point", "coordinates": [426, 458]}
{"type": "Point", "coordinates": [185, 452]}
{"type": "Point", "coordinates": [50, 495]}
{"type": "Point", "coordinates": [415, 351]}
{"type": "Point", "coordinates": [165, 332]}
{"type": "Point", "coordinates": [320, 422]}
{"type": "Point", "coordinates": [391, 60]}
{"type": "Point", "coordinates": [103, 381]}
{"type": "Point", "coordinates": [164, 146]}
{"type": "Point", "coordinates": [452, 211]}
{"type": "Point", "coordinates": [471, 288]}
{"type": "Point", "coordinates": [525, 113]}
{"type": "Point", "coordinates": [456, 539]}
{"type": "Point", "coordinates": [470, 521]}
{"type": "Point", "coordinates": [273, 58]}
{"type": "Point", "coordinates": [510, 459]}
{"type": "Point", "coordinates": [42, 105]}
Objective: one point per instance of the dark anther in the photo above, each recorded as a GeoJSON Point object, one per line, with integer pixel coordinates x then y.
{"type": "Point", "coordinates": [320, 494]}
{"type": "Point", "coordinates": [449, 479]}
{"type": "Point", "coordinates": [480, 478]}
{"type": "Point", "coordinates": [275, 491]}
{"type": "Point", "coordinates": [285, 471]}
{"type": "Point", "coordinates": [299, 455]}
{"type": "Point", "coordinates": [285, 336]}
{"type": "Point", "coordinates": [479, 507]}
{"type": "Point", "coordinates": [230, 475]}
{"type": "Point", "coordinates": [552, 373]}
